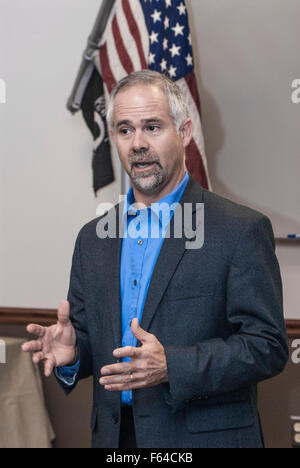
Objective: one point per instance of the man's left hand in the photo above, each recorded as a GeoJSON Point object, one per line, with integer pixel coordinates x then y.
{"type": "Point", "coordinates": [147, 368]}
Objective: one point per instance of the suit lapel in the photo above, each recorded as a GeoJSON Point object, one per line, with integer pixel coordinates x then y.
{"type": "Point", "coordinates": [170, 256]}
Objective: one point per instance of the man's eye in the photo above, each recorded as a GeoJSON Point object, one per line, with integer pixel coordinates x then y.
{"type": "Point", "coordinates": [153, 128]}
{"type": "Point", "coordinates": [124, 131]}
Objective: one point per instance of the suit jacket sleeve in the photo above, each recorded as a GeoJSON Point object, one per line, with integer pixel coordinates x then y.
{"type": "Point", "coordinates": [79, 320]}
{"type": "Point", "coordinates": [257, 348]}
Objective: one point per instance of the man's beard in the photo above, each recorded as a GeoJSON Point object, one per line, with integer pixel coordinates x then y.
{"type": "Point", "coordinates": [149, 181]}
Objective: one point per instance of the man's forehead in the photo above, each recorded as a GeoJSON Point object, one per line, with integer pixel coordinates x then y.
{"type": "Point", "coordinates": [141, 100]}
{"type": "Point", "coordinates": [151, 107]}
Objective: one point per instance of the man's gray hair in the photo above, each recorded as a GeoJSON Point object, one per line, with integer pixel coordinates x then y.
{"type": "Point", "coordinates": [178, 107]}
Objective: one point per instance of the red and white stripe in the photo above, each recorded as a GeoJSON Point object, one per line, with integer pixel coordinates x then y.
{"type": "Point", "coordinates": [124, 49]}
{"type": "Point", "coordinates": [196, 161]}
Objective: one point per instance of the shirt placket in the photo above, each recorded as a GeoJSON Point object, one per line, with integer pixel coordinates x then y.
{"type": "Point", "coordinates": [138, 248]}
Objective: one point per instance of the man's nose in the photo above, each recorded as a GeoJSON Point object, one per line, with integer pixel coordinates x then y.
{"type": "Point", "coordinates": [140, 141]}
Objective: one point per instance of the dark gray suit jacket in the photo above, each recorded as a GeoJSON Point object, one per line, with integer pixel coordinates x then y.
{"type": "Point", "coordinates": [216, 310]}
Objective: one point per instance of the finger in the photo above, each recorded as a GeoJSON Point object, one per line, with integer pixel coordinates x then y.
{"type": "Point", "coordinates": [127, 352]}
{"type": "Point", "coordinates": [139, 333]}
{"type": "Point", "coordinates": [38, 357]}
{"type": "Point", "coordinates": [125, 387]}
{"type": "Point", "coordinates": [116, 379]}
{"type": "Point", "coordinates": [114, 369]}
{"type": "Point", "coordinates": [34, 329]}
{"type": "Point", "coordinates": [48, 367]}
{"type": "Point", "coordinates": [35, 345]}
{"type": "Point", "coordinates": [63, 313]}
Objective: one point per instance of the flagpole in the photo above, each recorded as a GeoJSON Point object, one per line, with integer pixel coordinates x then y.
{"type": "Point", "coordinates": [87, 66]}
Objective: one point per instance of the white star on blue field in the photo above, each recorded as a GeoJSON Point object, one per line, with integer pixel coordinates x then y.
{"type": "Point", "coordinates": [169, 37]}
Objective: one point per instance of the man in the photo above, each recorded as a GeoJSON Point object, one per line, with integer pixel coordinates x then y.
{"type": "Point", "coordinates": [176, 336]}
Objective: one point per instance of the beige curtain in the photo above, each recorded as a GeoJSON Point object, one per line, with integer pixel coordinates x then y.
{"type": "Point", "coordinates": [24, 422]}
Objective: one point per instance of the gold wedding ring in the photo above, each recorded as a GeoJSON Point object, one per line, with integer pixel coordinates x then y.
{"type": "Point", "coordinates": [131, 377]}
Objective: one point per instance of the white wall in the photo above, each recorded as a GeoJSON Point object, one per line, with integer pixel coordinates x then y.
{"type": "Point", "coordinates": [248, 56]}
{"type": "Point", "coordinates": [247, 53]}
{"type": "Point", "coordinates": [45, 153]}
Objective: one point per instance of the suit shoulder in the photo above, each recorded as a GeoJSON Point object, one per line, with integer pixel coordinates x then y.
{"type": "Point", "coordinates": [227, 221]}
{"type": "Point", "coordinates": [89, 231]}
{"type": "Point", "coordinates": [228, 211]}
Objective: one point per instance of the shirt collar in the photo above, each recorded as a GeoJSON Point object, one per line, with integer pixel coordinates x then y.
{"type": "Point", "coordinates": [170, 199]}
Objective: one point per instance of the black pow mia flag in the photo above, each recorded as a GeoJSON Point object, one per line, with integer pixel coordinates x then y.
{"type": "Point", "coordinates": [94, 113]}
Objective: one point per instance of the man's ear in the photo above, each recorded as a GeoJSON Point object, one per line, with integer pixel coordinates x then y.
{"type": "Point", "coordinates": [186, 132]}
{"type": "Point", "coordinates": [112, 134]}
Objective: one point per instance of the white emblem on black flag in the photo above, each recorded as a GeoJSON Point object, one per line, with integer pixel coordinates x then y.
{"type": "Point", "coordinates": [94, 112]}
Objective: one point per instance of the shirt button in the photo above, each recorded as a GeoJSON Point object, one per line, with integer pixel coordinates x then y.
{"type": "Point", "coordinates": [135, 282]}
{"type": "Point", "coordinates": [140, 242]}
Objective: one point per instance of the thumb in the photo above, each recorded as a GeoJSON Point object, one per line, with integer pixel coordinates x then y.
{"type": "Point", "coordinates": [63, 313]}
{"type": "Point", "coordinates": [138, 332]}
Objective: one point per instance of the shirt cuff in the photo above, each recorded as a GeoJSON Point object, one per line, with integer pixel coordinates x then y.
{"type": "Point", "coordinates": [67, 374]}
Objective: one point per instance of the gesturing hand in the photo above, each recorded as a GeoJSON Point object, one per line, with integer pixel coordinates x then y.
{"type": "Point", "coordinates": [56, 345]}
{"type": "Point", "coordinates": [147, 368]}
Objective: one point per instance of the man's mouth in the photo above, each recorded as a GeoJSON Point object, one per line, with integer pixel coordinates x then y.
{"type": "Point", "coordinates": [144, 166]}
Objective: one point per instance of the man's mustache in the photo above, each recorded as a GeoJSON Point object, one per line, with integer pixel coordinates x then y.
{"type": "Point", "coordinates": [141, 157]}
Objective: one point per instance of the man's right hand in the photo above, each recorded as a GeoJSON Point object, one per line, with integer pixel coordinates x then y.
{"type": "Point", "coordinates": [55, 345]}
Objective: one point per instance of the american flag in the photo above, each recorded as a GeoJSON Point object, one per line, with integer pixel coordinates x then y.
{"type": "Point", "coordinates": [155, 34]}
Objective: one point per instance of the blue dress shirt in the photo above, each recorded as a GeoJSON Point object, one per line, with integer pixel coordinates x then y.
{"type": "Point", "coordinates": [144, 234]}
